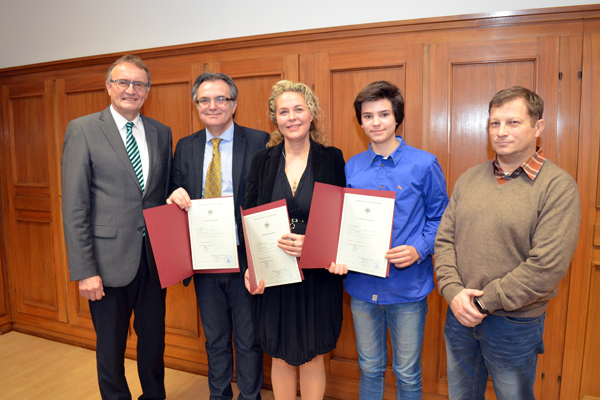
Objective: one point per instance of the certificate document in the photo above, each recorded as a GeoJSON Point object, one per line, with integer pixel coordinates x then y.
{"type": "Point", "coordinates": [351, 226]}
{"type": "Point", "coordinates": [212, 234]}
{"type": "Point", "coordinates": [194, 242]}
{"type": "Point", "coordinates": [365, 233]}
{"type": "Point", "coordinates": [263, 226]}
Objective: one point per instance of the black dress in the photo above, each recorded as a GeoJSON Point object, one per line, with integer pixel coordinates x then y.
{"type": "Point", "coordinates": [297, 322]}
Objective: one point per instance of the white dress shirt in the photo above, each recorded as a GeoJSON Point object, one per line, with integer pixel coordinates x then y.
{"type": "Point", "coordinates": [139, 134]}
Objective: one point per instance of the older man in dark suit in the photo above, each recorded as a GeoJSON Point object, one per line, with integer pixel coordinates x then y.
{"type": "Point", "coordinates": [223, 150]}
{"type": "Point", "coordinates": [115, 164]}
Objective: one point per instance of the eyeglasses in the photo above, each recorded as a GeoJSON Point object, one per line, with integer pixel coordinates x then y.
{"type": "Point", "coordinates": [124, 84]}
{"type": "Point", "coordinates": [219, 101]}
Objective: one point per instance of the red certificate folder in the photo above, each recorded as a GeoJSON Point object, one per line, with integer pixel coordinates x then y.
{"type": "Point", "coordinates": [169, 233]}
{"type": "Point", "coordinates": [251, 269]}
{"type": "Point", "coordinates": [324, 224]}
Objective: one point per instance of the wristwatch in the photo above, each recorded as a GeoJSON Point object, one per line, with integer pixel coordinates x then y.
{"type": "Point", "coordinates": [479, 305]}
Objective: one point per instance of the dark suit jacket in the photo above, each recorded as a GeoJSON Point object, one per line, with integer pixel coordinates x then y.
{"type": "Point", "coordinates": [188, 164]}
{"type": "Point", "coordinates": [327, 164]}
{"type": "Point", "coordinates": [102, 199]}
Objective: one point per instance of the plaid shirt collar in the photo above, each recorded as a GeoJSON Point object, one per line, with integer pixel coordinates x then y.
{"type": "Point", "coordinates": [531, 167]}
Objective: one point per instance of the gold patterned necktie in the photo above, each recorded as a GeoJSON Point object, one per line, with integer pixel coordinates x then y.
{"type": "Point", "coordinates": [212, 187]}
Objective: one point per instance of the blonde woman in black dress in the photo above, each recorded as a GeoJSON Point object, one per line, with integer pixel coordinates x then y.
{"type": "Point", "coordinates": [297, 323]}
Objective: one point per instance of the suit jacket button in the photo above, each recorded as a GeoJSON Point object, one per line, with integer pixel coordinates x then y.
{"type": "Point", "coordinates": [140, 228]}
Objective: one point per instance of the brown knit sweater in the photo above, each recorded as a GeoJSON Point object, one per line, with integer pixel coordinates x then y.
{"type": "Point", "coordinates": [514, 241]}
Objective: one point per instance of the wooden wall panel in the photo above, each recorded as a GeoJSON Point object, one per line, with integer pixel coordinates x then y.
{"type": "Point", "coordinates": [31, 297]}
{"type": "Point", "coordinates": [182, 316]}
{"type": "Point", "coordinates": [347, 133]}
{"type": "Point", "coordinates": [5, 314]}
{"type": "Point", "coordinates": [81, 103]}
{"type": "Point", "coordinates": [28, 141]}
{"type": "Point", "coordinates": [254, 79]}
{"type": "Point", "coordinates": [590, 384]}
{"type": "Point", "coordinates": [82, 95]}
{"type": "Point", "coordinates": [472, 87]}
{"type": "Point", "coordinates": [253, 97]}
{"type": "Point", "coordinates": [30, 159]}
{"type": "Point", "coordinates": [569, 103]}
{"type": "Point", "coordinates": [170, 102]}
{"type": "Point", "coordinates": [343, 74]}
{"type": "Point", "coordinates": [461, 89]}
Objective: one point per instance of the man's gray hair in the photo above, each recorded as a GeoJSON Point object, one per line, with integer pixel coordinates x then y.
{"type": "Point", "coordinates": [211, 77]}
{"type": "Point", "coordinates": [128, 59]}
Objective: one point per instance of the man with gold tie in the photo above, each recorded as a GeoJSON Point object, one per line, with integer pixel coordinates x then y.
{"type": "Point", "coordinates": [213, 162]}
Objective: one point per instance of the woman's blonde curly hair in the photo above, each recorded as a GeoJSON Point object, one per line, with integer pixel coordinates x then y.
{"type": "Point", "coordinates": [312, 102]}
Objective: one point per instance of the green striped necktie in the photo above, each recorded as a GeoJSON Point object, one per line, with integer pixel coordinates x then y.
{"type": "Point", "coordinates": [134, 154]}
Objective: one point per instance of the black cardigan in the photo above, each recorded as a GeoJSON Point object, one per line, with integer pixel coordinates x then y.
{"type": "Point", "coordinates": [328, 167]}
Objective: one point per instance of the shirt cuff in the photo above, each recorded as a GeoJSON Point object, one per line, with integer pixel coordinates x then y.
{"type": "Point", "coordinates": [451, 290]}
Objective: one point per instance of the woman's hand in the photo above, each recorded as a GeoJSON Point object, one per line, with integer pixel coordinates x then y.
{"type": "Point", "coordinates": [338, 269]}
{"type": "Point", "coordinates": [291, 243]}
{"type": "Point", "coordinates": [261, 286]}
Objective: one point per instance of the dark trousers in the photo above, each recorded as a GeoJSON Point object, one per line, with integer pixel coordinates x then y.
{"type": "Point", "coordinates": [111, 317]}
{"type": "Point", "coordinates": [224, 306]}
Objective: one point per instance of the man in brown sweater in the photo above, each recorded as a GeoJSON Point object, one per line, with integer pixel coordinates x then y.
{"type": "Point", "coordinates": [503, 245]}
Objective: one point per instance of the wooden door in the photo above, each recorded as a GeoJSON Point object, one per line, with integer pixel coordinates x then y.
{"type": "Point", "coordinates": [170, 102]}
{"type": "Point", "coordinates": [582, 351]}
{"type": "Point", "coordinates": [77, 97]}
{"type": "Point", "coordinates": [34, 245]}
{"type": "Point", "coordinates": [464, 78]}
{"type": "Point", "coordinates": [338, 76]}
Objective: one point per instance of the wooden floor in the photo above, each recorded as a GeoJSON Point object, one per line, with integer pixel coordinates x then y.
{"type": "Point", "coordinates": [35, 368]}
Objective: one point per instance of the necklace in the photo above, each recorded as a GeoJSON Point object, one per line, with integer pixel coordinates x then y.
{"type": "Point", "coordinates": [294, 181]}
